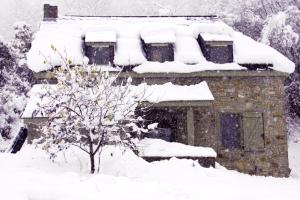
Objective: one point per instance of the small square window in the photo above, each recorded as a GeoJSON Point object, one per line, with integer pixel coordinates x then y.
{"type": "Point", "coordinates": [231, 130]}
{"type": "Point", "coordinates": [100, 55]}
{"type": "Point", "coordinates": [220, 54]}
{"type": "Point", "coordinates": [159, 52]}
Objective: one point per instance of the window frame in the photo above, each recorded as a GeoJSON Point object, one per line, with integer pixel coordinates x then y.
{"type": "Point", "coordinates": [220, 146]}
{"type": "Point", "coordinates": [100, 45]}
{"type": "Point", "coordinates": [149, 48]}
{"type": "Point", "coordinates": [215, 48]}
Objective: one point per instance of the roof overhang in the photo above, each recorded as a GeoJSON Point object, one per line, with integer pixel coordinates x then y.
{"type": "Point", "coordinates": [178, 104]}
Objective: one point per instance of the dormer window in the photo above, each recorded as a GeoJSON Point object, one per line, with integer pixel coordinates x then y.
{"type": "Point", "coordinates": [158, 45]}
{"type": "Point", "coordinates": [159, 52]}
{"type": "Point", "coordinates": [100, 47]}
{"type": "Point", "coordinates": [216, 48]}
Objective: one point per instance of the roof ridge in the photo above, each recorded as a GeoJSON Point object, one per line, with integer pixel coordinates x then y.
{"type": "Point", "coordinates": [145, 16]}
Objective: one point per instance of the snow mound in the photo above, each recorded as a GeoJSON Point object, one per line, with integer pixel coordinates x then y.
{"type": "Point", "coordinates": [30, 174]}
{"type": "Point", "coordinates": [160, 148]}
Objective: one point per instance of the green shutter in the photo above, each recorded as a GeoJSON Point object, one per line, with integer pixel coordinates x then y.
{"type": "Point", "coordinates": [253, 131]}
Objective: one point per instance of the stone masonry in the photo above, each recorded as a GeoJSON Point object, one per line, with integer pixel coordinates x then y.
{"type": "Point", "coordinates": [238, 92]}
{"type": "Point", "coordinates": [234, 92]}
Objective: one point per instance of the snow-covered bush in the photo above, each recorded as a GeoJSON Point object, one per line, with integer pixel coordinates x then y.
{"type": "Point", "coordinates": [282, 32]}
{"type": "Point", "coordinates": [88, 108]}
{"type": "Point", "coordinates": [19, 46]}
{"type": "Point", "coordinates": [12, 97]}
{"type": "Point", "coordinates": [15, 81]}
{"type": "Point", "coordinates": [21, 41]}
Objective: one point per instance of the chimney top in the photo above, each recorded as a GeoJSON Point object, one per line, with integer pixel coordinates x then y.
{"type": "Point", "coordinates": [50, 12]}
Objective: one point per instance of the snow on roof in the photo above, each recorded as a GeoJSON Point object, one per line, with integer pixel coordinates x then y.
{"type": "Point", "coordinates": [101, 36]}
{"type": "Point", "coordinates": [148, 93]}
{"type": "Point", "coordinates": [160, 148]}
{"type": "Point", "coordinates": [48, 48]}
{"type": "Point", "coordinates": [187, 50]}
{"type": "Point", "coordinates": [179, 67]}
{"type": "Point", "coordinates": [157, 34]}
{"type": "Point", "coordinates": [248, 51]}
{"type": "Point", "coordinates": [67, 32]}
{"type": "Point", "coordinates": [216, 37]}
{"type": "Point", "coordinates": [129, 52]}
{"type": "Point", "coordinates": [171, 92]}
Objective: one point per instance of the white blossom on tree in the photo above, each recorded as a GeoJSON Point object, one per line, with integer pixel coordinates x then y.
{"type": "Point", "coordinates": [88, 109]}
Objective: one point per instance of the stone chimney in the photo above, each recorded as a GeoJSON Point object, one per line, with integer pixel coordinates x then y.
{"type": "Point", "coordinates": [50, 12]}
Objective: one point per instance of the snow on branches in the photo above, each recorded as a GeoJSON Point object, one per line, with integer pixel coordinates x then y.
{"type": "Point", "coordinates": [88, 109]}
{"type": "Point", "coordinates": [13, 88]}
{"type": "Point", "coordinates": [21, 41]}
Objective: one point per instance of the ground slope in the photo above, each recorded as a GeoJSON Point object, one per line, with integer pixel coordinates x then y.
{"type": "Point", "coordinates": [30, 175]}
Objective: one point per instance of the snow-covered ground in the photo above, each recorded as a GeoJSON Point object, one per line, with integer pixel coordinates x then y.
{"type": "Point", "coordinates": [30, 175]}
{"type": "Point", "coordinates": [294, 158]}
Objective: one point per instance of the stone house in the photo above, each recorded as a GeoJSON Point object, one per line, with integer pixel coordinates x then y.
{"type": "Point", "coordinates": [244, 122]}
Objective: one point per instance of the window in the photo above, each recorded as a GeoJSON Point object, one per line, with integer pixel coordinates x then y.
{"type": "Point", "coordinates": [159, 52]}
{"type": "Point", "coordinates": [231, 130]}
{"type": "Point", "coordinates": [220, 54]}
{"type": "Point", "coordinates": [100, 54]}
{"type": "Point", "coordinates": [217, 51]}
{"type": "Point", "coordinates": [167, 123]}
{"type": "Point", "coordinates": [242, 131]}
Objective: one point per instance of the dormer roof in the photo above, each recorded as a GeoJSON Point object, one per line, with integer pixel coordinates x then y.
{"type": "Point", "coordinates": [67, 35]}
{"type": "Point", "coordinates": [100, 36]}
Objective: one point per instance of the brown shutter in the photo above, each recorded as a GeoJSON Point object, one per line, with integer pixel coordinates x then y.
{"type": "Point", "coordinates": [253, 131]}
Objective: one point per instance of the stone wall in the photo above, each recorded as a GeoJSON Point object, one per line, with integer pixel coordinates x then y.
{"type": "Point", "coordinates": [239, 92]}
{"type": "Point", "coordinates": [234, 92]}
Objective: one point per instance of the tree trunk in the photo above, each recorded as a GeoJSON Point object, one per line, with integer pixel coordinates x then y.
{"type": "Point", "coordinates": [92, 156]}
{"type": "Point", "coordinates": [92, 159]}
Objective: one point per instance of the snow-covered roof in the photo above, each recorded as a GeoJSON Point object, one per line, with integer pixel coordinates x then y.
{"type": "Point", "coordinates": [129, 52]}
{"type": "Point", "coordinates": [171, 92]}
{"type": "Point", "coordinates": [148, 93]}
{"type": "Point", "coordinates": [158, 35]}
{"type": "Point", "coordinates": [160, 148]}
{"type": "Point", "coordinates": [180, 67]}
{"type": "Point", "coordinates": [100, 36]}
{"type": "Point", "coordinates": [216, 37]}
{"type": "Point", "coordinates": [67, 33]}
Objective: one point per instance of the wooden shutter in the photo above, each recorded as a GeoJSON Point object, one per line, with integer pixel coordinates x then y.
{"type": "Point", "coordinates": [253, 131]}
